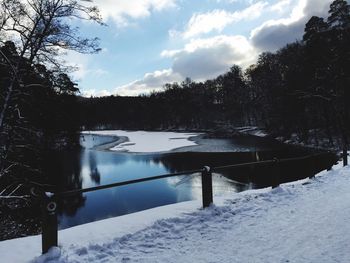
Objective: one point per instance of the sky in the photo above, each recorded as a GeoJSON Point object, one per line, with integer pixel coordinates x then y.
{"type": "Point", "coordinates": [148, 43]}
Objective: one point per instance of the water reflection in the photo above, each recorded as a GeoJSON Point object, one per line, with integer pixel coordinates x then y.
{"type": "Point", "coordinates": [89, 167]}
{"type": "Point", "coordinates": [64, 171]}
{"type": "Point", "coordinates": [190, 187]}
{"type": "Point", "coordinates": [94, 173]}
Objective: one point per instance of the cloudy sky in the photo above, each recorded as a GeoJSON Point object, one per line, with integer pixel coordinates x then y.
{"type": "Point", "coordinates": [148, 43]}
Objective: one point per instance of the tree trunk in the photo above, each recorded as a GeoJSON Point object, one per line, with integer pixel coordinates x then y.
{"type": "Point", "coordinates": [6, 104]}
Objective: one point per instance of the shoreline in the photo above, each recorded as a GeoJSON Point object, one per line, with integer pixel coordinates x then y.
{"type": "Point", "coordinates": [210, 141]}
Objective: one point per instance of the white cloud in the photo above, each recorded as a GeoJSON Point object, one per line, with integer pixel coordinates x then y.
{"type": "Point", "coordinates": [280, 6]}
{"type": "Point", "coordinates": [122, 11]}
{"type": "Point", "coordinates": [201, 59]}
{"type": "Point", "coordinates": [150, 82]}
{"type": "Point", "coordinates": [217, 20]}
{"type": "Point", "coordinates": [78, 61]}
{"type": "Point", "coordinates": [83, 65]}
{"type": "Point", "coordinates": [82, 71]}
{"type": "Point", "coordinates": [95, 93]}
{"type": "Point", "coordinates": [273, 34]}
{"type": "Point", "coordinates": [207, 58]}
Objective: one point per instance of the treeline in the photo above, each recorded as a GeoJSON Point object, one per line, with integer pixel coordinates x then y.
{"type": "Point", "coordinates": [301, 89]}
{"type": "Point", "coordinates": [187, 105]}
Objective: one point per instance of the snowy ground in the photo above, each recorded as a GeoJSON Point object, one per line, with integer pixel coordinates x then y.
{"type": "Point", "coordinates": [252, 130]}
{"type": "Point", "coordinates": [146, 141]}
{"type": "Point", "coordinates": [305, 221]}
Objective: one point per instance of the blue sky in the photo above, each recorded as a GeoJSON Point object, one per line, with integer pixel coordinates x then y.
{"type": "Point", "coordinates": [148, 43]}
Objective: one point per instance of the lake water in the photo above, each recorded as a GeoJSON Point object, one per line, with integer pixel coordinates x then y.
{"type": "Point", "coordinates": [89, 167]}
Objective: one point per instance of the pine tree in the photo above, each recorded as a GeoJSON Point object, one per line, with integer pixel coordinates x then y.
{"type": "Point", "coordinates": [313, 28]}
{"type": "Point", "coordinates": [339, 15]}
{"type": "Point", "coordinates": [339, 41]}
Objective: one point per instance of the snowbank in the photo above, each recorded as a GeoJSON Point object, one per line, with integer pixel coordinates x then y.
{"type": "Point", "coordinates": [26, 249]}
{"type": "Point", "coordinates": [304, 221]}
{"type": "Point", "coordinates": [146, 141]}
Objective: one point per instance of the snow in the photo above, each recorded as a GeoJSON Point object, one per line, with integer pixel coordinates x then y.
{"type": "Point", "coordinates": [252, 130]}
{"type": "Point", "coordinates": [304, 221]}
{"type": "Point", "coordinates": [147, 141]}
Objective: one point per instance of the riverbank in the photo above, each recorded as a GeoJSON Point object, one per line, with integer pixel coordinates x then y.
{"type": "Point", "coordinates": [219, 137]}
{"type": "Point", "coordinates": [318, 141]}
{"type": "Point", "coordinates": [286, 224]}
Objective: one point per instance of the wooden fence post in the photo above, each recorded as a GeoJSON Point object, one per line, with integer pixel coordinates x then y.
{"type": "Point", "coordinates": [207, 187]}
{"type": "Point", "coordinates": [345, 156]}
{"type": "Point", "coordinates": [276, 173]}
{"type": "Point", "coordinates": [49, 225]}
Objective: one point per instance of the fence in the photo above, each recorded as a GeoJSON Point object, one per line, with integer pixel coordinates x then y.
{"type": "Point", "coordinates": [49, 200]}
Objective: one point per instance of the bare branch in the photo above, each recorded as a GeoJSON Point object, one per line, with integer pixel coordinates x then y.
{"type": "Point", "coordinates": [15, 190]}
{"type": "Point", "coordinates": [23, 197]}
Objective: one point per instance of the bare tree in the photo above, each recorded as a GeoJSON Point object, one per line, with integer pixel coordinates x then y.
{"type": "Point", "coordinates": [41, 30]}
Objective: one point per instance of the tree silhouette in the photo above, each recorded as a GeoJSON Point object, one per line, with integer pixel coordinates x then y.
{"type": "Point", "coordinates": [42, 30]}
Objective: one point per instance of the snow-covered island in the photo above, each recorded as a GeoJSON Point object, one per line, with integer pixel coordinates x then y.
{"type": "Point", "coordinates": [304, 221]}
{"type": "Point", "coordinates": [146, 141]}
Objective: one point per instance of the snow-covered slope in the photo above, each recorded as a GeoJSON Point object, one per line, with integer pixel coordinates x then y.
{"type": "Point", "coordinates": [305, 221]}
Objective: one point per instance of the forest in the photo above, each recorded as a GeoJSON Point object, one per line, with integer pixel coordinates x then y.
{"type": "Point", "coordinates": [302, 89]}
{"type": "Point", "coordinates": [39, 113]}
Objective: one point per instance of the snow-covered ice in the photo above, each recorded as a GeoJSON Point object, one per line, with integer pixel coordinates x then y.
{"type": "Point", "coordinates": [148, 141]}
{"type": "Point", "coordinates": [252, 130]}
{"type": "Point", "coordinates": [304, 221]}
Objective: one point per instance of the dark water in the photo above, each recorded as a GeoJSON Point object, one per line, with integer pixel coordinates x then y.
{"type": "Point", "coordinates": [88, 167]}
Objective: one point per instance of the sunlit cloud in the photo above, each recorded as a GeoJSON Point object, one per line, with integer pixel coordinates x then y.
{"type": "Point", "coordinates": [280, 6]}
{"type": "Point", "coordinates": [199, 60]}
{"type": "Point", "coordinates": [95, 93]}
{"type": "Point", "coordinates": [83, 65]}
{"type": "Point", "coordinates": [150, 82]}
{"type": "Point", "coordinates": [206, 58]}
{"type": "Point", "coordinates": [217, 20]}
{"type": "Point", "coordinates": [273, 34]}
{"type": "Point", "coordinates": [122, 11]}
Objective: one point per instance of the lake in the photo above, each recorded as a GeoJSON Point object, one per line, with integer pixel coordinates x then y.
{"type": "Point", "coordinates": [90, 167]}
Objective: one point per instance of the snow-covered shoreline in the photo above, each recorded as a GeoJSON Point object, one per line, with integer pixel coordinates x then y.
{"type": "Point", "coordinates": [304, 221]}
{"type": "Point", "coordinates": [321, 143]}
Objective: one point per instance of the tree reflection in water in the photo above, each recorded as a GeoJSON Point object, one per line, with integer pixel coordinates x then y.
{"type": "Point", "coordinates": [91, 167]}
{"type": "Point", "coordinates": [94, 172]}
{"type": "Point", "coordinates": [64, 169]}
{"type": "Point", "coordinates": [258, 176]}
